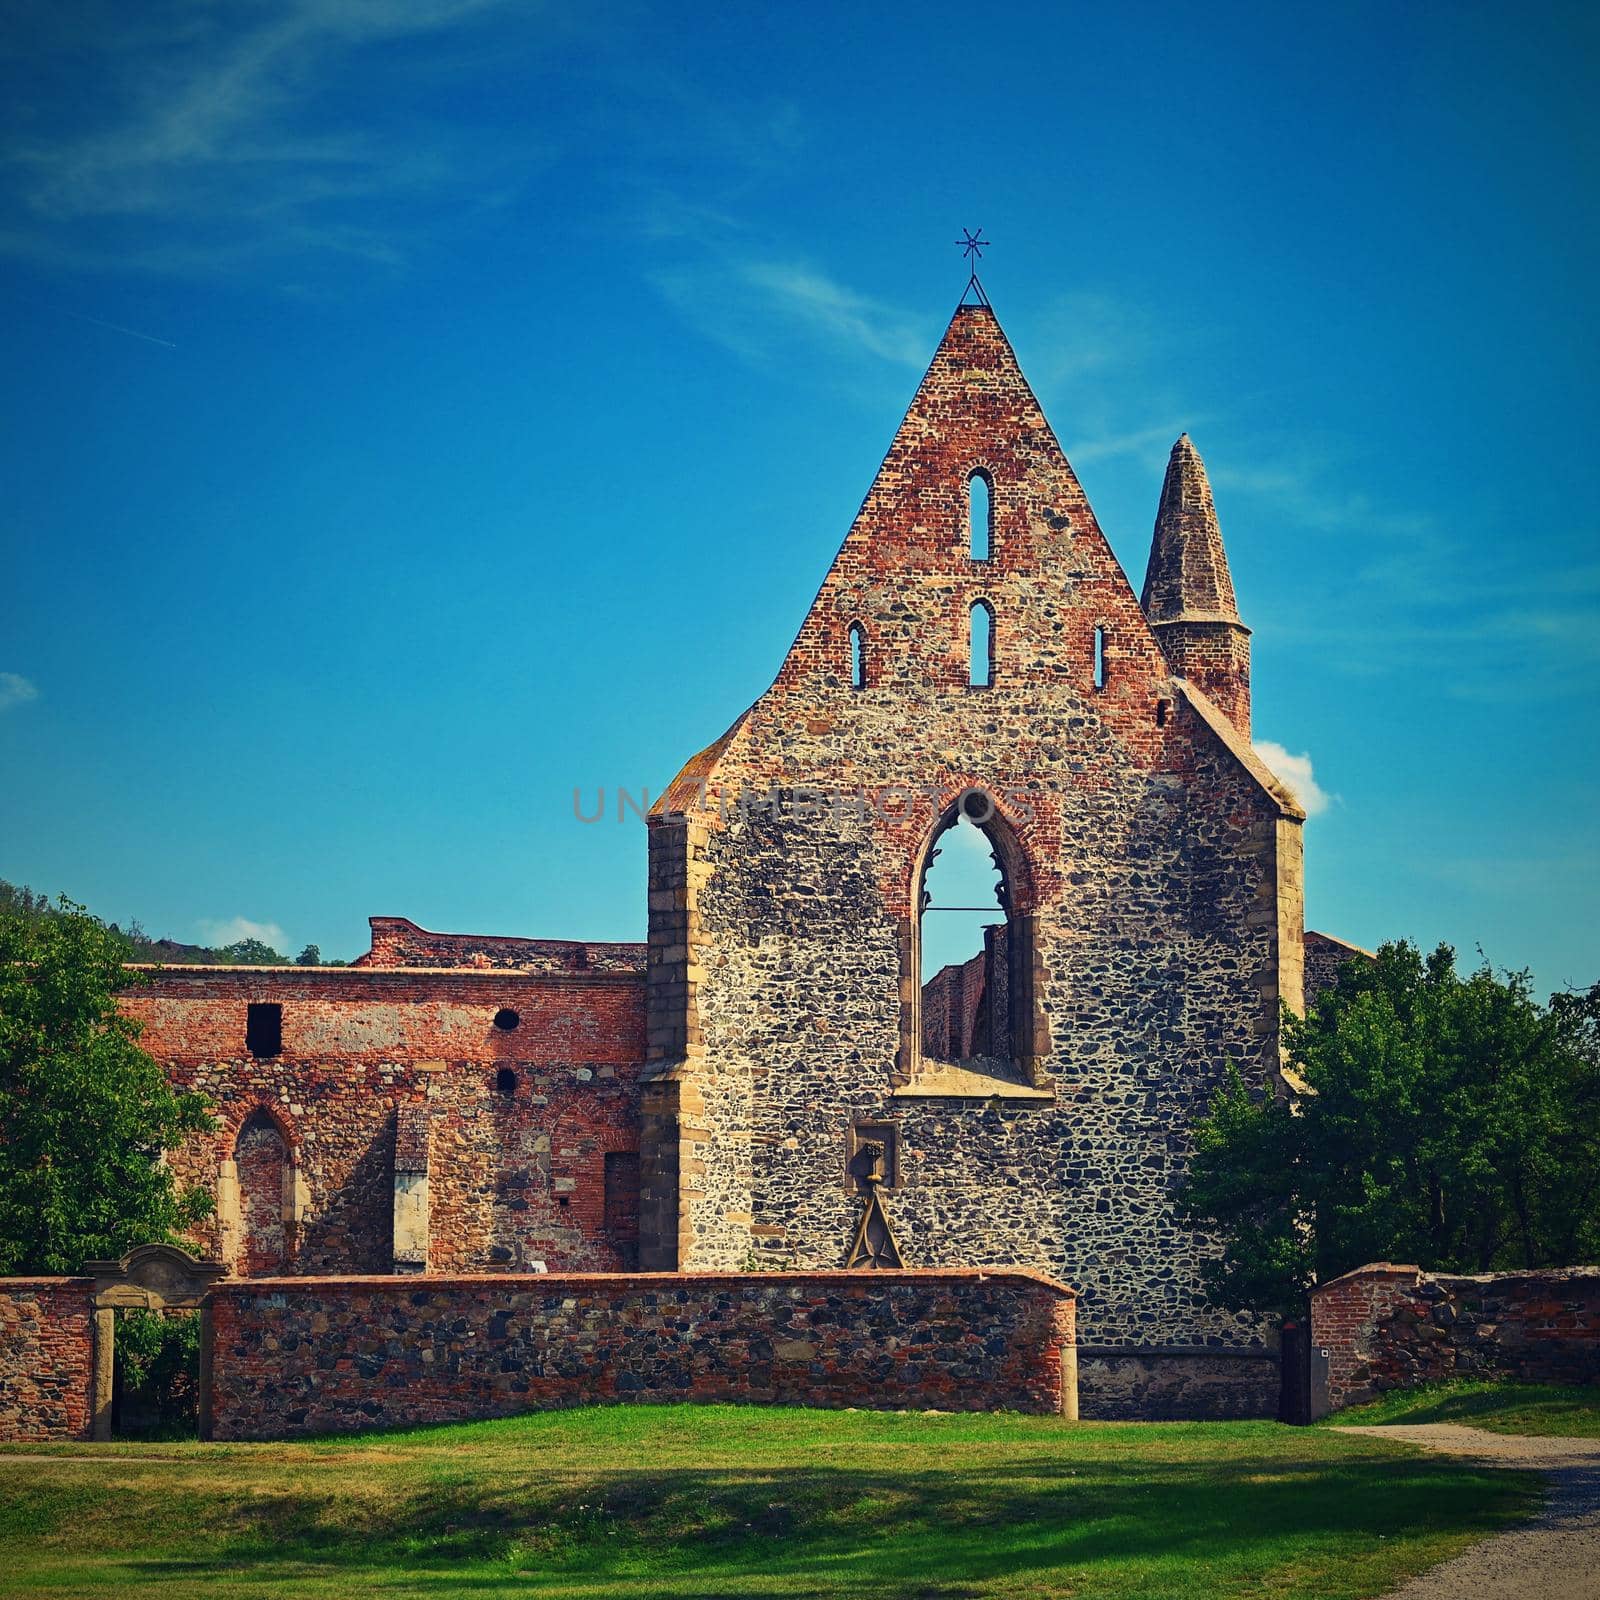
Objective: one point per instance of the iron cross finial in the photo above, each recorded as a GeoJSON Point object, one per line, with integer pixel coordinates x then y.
{"type": "Point", "coordinates": [973, 245]}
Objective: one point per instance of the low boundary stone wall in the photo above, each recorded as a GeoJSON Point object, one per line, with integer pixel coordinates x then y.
{"type": "Point", "coordinates": [298, 1356]}
{"type": "Point", "coordinates": [1175, 1383]}
{"type": "Point", "coordinates": [1391, 1327]}
{"type": "Point", "coordinates": [46, 1358]}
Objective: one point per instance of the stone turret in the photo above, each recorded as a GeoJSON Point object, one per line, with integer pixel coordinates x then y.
{"type": "Point", "coordinates": [1188, 592]}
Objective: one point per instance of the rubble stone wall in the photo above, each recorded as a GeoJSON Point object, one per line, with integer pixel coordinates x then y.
{"type": "Point", "coordinates": [294, 1356]}
{"type": "Point", "coordinates": [1393, 1327]}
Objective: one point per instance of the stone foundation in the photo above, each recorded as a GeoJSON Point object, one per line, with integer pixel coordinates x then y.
{"type": "Point", "coordinates": [1176, 1385]}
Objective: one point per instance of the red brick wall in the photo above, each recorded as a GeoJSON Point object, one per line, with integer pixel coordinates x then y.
{"type": "Point", "coordinates": [261, 1159]}
{"type": "Point", "coordinates": [46, 1358]}
{"type": "Point", "coordinates": [296, 1356]}
{"type": "Point", "coordinates": [513, 1177]}
{"type": "Point", "coordinates": [1391, 1327]}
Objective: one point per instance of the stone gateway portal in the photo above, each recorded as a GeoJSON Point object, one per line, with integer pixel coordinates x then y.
{"type": "Point", "coordinates": [788, 1073]}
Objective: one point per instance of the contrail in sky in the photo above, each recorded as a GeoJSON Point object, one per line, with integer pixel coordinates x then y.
{"type": "Point", "coordinates": [132, 333]}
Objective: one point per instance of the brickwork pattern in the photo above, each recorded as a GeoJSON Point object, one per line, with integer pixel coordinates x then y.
{"type": "Point", "coordinates": [1392, 1327]}
{"type": "Point", "coordinates": [262, 1162]}
{"type": "Point", "coordinates": [514, 1177]}
{"type": "Point", "coordinates": [399, 942]}
{"type": "Point", "coordinates": [299, 1356]}
{"type": "Point", "coordinates": [46, 1358]}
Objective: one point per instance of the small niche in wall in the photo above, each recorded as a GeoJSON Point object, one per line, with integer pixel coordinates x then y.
{"type": "Point", "coordinates": [505, 1081]}
{"type": "Point", "coordinates": [263, 1028]}
{"type": "Point", "coordinates": [863, 1157]}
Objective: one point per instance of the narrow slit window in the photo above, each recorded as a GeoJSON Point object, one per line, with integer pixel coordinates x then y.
{"type": "Point", "coordinates": [980, 645]}
{"type": "Point", "coordinates": [858, 656]}
{"type": "Point", "coordinates": [1102, 671]}
{"type": "Point", "coordinates": [980, 524]}
{"type": "Point", "coordinates": [1161, 713]}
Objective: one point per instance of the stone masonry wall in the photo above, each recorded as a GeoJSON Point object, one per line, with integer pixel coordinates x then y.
{"type": "Point", "coordinates": [1176, 1385]}
{"type": "Point", "coordinates": [298, 1356]}
{"type": "Point", "coordinates": [1152, 862]}
{"type": "Point", "coordinates": [514, 1175]}
{"type": "Point", "coordinates": [1392, 1327]}
{"type": "Point", "coordinates": [46, 1358]}
{"type": "Point", "coordinates": [1325, 955]}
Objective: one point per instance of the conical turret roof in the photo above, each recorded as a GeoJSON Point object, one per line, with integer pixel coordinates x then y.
{"type": "Point", "coordinates": [1188, 578]}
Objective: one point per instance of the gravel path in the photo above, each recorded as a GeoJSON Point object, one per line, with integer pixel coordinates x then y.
{"type": "Point", "coordinates": [1554, 1557]}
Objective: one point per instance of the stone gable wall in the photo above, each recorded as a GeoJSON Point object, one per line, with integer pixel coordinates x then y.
{"type": "Point", "coordinates": [46, 1358]}
{"type": "Point", "coordinates": [1393, 1327]}
{"type": "Point", "coordinates": [513, 1178]}
{"type": "Point", "coordinates": [1161, 880]}
{"type": "Point", "coordinates": [301, 1356]}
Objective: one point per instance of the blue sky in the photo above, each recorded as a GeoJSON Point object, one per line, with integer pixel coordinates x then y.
{"type": "Point", "coordinates": [415, 411]}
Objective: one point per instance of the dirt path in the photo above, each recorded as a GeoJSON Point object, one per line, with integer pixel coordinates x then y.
{"type": "Point", "coordinates": [1554, 1557]}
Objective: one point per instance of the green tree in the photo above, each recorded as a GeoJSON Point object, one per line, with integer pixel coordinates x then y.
{"type": "Point", "coordinates": [251, 953]}
{"type": "Point", "coordinates": [311, 956]}
{"type": "Point", "coordinates": [84, 1112]}
{"type": "Point", "coordinates": [1451, 1121]}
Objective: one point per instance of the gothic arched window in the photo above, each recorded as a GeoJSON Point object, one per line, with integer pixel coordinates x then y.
{"type": "Point", "coordinates": [980, 645]}
{"type": "Point", "coordinates": [858, 656]}
{"type": "Point", "coordinates": [980, 516]}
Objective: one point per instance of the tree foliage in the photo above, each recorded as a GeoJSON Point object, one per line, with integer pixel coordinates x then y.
{"type": "Point", "coordinates": [85, 1113]}
{"type": "Point", "coordinates": [139, 946]}
{"type": "Point", "coordinates": [1452, 1122]}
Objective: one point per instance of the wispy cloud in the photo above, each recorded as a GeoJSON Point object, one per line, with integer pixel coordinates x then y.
{"type": "Point", "coordinates": [15, 690]}
{"type": "Point", "coordinates": [1149, 444]}
{"type": "Point", "coordinates": [222, 932]}
{"type": "Point", "coordinates": [1296, 774]}
{"type": "Point", "coordinates": [757, 306]}
{"type": "Point", "coordinates": [207, 139]}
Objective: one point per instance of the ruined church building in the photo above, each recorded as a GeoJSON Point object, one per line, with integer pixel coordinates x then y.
{"type": "Point", "coordinates": [769, 1081]}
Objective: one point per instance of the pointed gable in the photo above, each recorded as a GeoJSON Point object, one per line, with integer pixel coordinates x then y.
{"type": "Point", "coordinates": [1187, 579]}
{"type": "Point", "coordinates": [906, 573]}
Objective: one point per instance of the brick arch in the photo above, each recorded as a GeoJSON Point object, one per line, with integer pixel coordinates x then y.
{"type": "Point", "coordinates": [240, 1112]}
{"type": "Point", "coordinates": [1005, 830]}
{"type": "Point", "coordinates": [258, 1229]}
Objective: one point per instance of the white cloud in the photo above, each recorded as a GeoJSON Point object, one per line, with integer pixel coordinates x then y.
{"type": "Point", "coordinates": [1294, 772]}
{"type": "Point", "coordinates": [219, 933]}
{"type": "Point", "coordinates": [752, 306]}
{"type": "Point", "coordinates": [15, 690]}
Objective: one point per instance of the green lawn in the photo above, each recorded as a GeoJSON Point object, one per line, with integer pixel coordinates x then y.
{"type": "Point", "coordinates": [731, 1501]}
{"type": "Point", "coordinates": [1501, 1407]}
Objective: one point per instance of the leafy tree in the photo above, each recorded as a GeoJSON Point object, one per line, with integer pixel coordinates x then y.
{"type": "Point", "coordinates": [1452, 1122]}
{"type": "Point", "coordinates": [84, 1112]}
{"type": "Point", "coordinates": [311, 956]}
{"type": "Point", "coordinates": [251, 953]}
